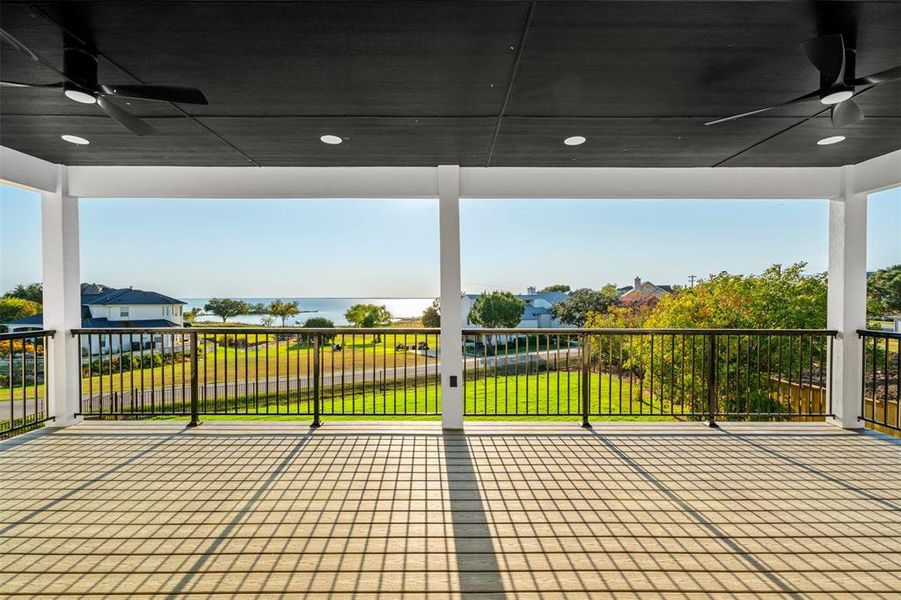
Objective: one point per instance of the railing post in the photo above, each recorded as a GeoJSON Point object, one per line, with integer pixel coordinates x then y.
{"type": "Point", "coordinates": [316, 390]}
{"type": "Point", "coordinates": [586, 379]}
{"type": "Point", "coordinates": [195, 391]}
{"type": "Point", "coordinates": [711, 380]}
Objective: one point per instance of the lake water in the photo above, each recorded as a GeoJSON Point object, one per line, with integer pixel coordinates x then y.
{"type": "Point", "coordinates": [329, 308]}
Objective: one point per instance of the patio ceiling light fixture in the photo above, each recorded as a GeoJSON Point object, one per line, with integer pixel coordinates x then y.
{"type": "Point", "coordinates": [828, 141]}
{"type": "Point", "coordinates": [74, 139]}
{"type": "Point", "coordinates": [330, 139]}
{"type": "Point", "coordinates": [79, 96]}
{"type": "Point", "coordinates": [574, 140]}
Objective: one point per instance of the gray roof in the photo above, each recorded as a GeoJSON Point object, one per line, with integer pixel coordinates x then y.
{"type": "Point", "coordinates": [100, 323]}
{"type": "Point", "coordinates": [127, 296]}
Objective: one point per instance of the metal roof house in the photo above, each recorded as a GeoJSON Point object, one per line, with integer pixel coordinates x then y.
{"type": "Point", "coordinates": [105, 307]}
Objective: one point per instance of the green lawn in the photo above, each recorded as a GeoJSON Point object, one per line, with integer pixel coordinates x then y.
{"type": "Point", "coordinates": [484, 399]}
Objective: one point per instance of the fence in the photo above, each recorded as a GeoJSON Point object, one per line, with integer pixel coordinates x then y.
{"type": "Point", "coordinates": [266, 371]}
{"type": "Point", "coordinates": [881, 381]}
{"type": "Point", "coordinates": [24, 357]}
{"type": "Point", "coordinates": [710, 374]}
{"type": "Point", "coordinates": [642, 374]}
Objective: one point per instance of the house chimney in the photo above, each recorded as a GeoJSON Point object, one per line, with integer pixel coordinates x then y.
{"type": "Point", "coordinates": [637, 283]}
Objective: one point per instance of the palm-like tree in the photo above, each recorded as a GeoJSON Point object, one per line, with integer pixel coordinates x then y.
{"type": "Point", "coordinates": [283, 310]}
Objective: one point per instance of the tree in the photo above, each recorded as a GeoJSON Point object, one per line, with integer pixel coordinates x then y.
{"type": "Point", "coordinates": [497, 309]}
{"type": "Point", "coordinates": [283, 310]}
{"type": "Point", "coordinates": [431, 316]}
{"type": "Point", "coordinates": [779, 298]}
{"type": "Point", "coordinates": [33, 292]}
{"type": "Point", "coordinates": [576, 309]}
{"type": "Point", "coordinates": [12, 308]}
{"type": "Point", "coordinates": [368, 315]}
{"type": "Point", "coordinates": [226, 307]}
{"type": "Point", "coordinates": [267, 320]}
{"type": "Point", "coordinates": [320, 323]}
{"type": "Point", "coordinates": [884, 286]}
{"type": "Point", "coordinates": [557, 287]}
{"type": "Point", "coordinates": [190, 315]}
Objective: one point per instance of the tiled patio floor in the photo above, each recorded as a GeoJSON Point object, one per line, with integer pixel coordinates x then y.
{"type": "Point", "coordinates": [525, 510]}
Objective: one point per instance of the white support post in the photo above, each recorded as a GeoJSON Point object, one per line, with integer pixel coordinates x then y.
{"type": "Point", "coordinates": [847, 298]}
{"type": "Point", "coordinates": [62, 299]}
{"type": "Point", "coordinates": [451, 318]}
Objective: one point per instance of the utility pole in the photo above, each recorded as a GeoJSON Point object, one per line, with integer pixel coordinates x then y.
{"type": "Point", "coordinates": [691, 280]}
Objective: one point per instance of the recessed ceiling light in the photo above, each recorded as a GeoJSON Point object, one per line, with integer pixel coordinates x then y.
{"type": "Point", "coordinates": [79, 96]}
{"type": "Point", "coordinates": [74, 139]}
{"type": "Point", "coordinates": [330, 139]}
{"type": "Point", "coordinates": [828, 141]}
{"type": "Point", "coordinates": [574, 140]}
{"type": "Point", "coordinates": [836, 97]}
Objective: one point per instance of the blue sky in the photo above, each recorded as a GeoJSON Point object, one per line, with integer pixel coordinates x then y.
{"type": "Point", "coordinates": [264, 248]}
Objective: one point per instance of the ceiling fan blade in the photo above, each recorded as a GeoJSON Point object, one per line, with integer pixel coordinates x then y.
{"type": "Point", "coordinates": [124, 118]}
{"type": "Point", "coordinates": [159, 93]}
{"type": "Point", "coordinates": [12, 41]}
{"type": "Point", "coordinates": [804, 98]}
{"type": "Point", "coordinates": [19, 84]}
{"type": "Point", "coordinates": [827, 54]}
{"type": "Point", "coordinates": [846, 113]}
{"type": "Point", "coordinates": [881, 77]}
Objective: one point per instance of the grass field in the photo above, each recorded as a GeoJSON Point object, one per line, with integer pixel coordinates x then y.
{"type": "Point", "coordinates": [521, 398]}
{"type": "Point", "coordinates": [278, 358]}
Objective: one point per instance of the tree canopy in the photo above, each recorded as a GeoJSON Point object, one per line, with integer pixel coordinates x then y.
{"type": "Point", "coordinates": [884, 286]}
{"type": "Point", "coordinates": [779, 298]}
{"type": "Point", "coordinates": [33, 292]}
{"type": "Point", "coordinates": [320, 323]}
{"type": "Point", "coordinates": [557, 287]}
{"type": "Point", "coordinates": [226, 307]}
{"type": "Point", "coordinates": [497, 309]}
{"type": "Point", "coordinates": [283, 309]}
{"type": "Point", "coordinates": [368, 315]}
{"type": "Point", "coordinates": [582, 302]}
{"type": "Point", "coordinates": [431, 316]}
{"type": "Point", "coordinates": [12, 308]}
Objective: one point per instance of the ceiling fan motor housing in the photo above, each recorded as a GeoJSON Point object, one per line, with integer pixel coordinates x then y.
{"type": "Point", "coordinates": [80, 67]}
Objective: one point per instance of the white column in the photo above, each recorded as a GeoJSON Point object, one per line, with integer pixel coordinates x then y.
{"type": "Point", "coordinates": [451, 321]}
{"type": "Point", "coordinates": [62, 298]}
{"type": "Point", "coordinates": [847, 298]}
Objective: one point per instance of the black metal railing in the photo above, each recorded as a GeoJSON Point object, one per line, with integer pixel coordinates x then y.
{"type": "Point", "coordinates": [881, 382]}
{"type": "Point", "coordinates": [24, 357]}
{"type": "Point", "coordinates": [259, 371]}
{"type": "Point", "coordinates": [709, 374]}
{"type": "Point", "coordinates": [647, 374]}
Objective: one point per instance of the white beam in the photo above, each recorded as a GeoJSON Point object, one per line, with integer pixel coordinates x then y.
{"type": "Point", "coordinates": [420, 182]}
{"type": "Point", "coordinates": [647, 183]}
{"type": "Point", "coordinates": [880, 173]}
{"type": "Point", "coordinates": [250, 182]}
{"type": "Point", "coordinates": [451, 318]}
{"type": "Point", "coordinates": [27, 171]}
{"type": "Point", "coordinates": [847, 297]}
{"type": "Point", "coordinates": [62, 298]}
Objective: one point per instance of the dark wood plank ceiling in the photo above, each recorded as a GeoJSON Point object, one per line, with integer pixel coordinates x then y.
{"type": "Point", "coordinates": [470, 83]}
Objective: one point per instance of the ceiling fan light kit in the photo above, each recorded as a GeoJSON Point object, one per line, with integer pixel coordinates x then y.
{"type": "Point", "coordinates": [838, 83]}
{"type": "Point", "coordinates": [79, 84]}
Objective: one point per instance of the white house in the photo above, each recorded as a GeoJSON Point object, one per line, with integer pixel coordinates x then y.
{"type": "Point", "coordinates": [105, 307]}
{"type": "Point", "coordinates": [537, 313]}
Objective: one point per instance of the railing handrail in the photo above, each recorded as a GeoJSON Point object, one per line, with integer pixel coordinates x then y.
{"type": "Point", "coordinates": [258, 330]}
{"type": "Point", "coordinates": [646, 330]}
{"type": "Point", "coordinates": [880, 333]}
{"type": "Point", "coordinates": [436, 331]}
{"type": "Point", "coordinates": [19, 335]}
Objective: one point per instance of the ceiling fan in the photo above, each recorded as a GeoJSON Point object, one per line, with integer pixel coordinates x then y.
{"type": "Point", "coordinates": [838, 81]}
{"type": "Point", "coordinates": [80, 84]}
